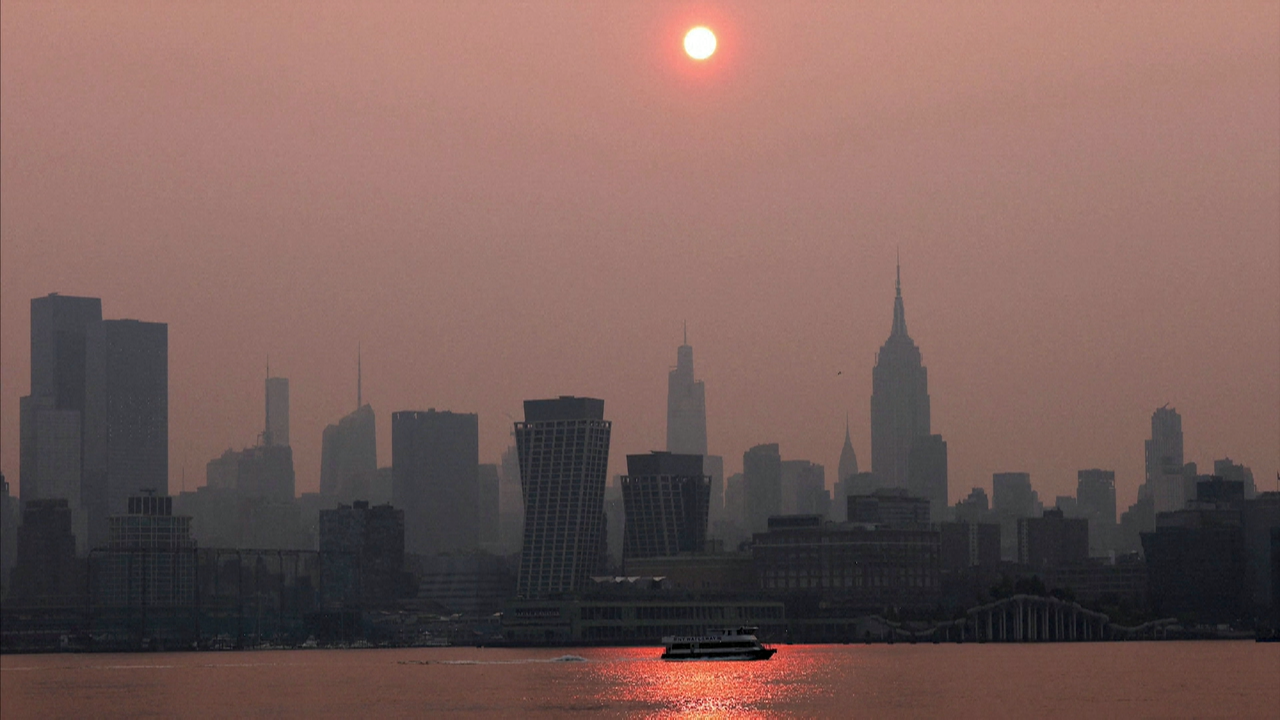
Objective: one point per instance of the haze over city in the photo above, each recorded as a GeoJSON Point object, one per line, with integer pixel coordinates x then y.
{"type": "Point", "coordinates": [500, 203]}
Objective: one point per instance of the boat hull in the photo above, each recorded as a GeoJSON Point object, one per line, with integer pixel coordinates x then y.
{"type": "Point", "coordinates": [760, 654]}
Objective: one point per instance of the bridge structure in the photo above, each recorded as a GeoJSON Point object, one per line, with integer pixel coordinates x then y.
{"type": "Point", "coordinates": [1034, 618]}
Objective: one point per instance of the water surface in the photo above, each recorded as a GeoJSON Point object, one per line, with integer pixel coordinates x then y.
{"type": "Point", "coordinates": [1093, 680]}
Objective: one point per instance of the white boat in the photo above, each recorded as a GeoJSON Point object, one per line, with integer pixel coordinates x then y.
{"type": "Point", "coordinates": [733, 644]}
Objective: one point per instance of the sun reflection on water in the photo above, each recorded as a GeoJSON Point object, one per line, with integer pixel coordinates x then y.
{"type": "Point", "coordinates": [702, 689]}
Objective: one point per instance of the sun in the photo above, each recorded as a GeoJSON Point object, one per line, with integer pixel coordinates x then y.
{"type": "Point", "coordinates": [700, 43]}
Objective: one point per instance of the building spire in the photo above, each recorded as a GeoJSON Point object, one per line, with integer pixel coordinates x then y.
{"type": "Point", "coordinates": [847, 439]}
{"type": "Point", "coordinates": [359, 380]}
{"type": "Point", "coordinates": [686, 332]}
{"type": "Point", "coordinates": [899, 313]}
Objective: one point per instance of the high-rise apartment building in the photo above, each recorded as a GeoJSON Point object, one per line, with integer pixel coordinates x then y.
{"type": "Point", "coordinates": [435, 460]}
{"type": "Point", "coordinates": [665, 497]}
{"type": "Point", "coordinates": [686, 406]}
{"type": "Point", "coordinates": [899, 400]}
{"type": "Point", "coordinates": [126, 429]}
{"type": "Point", "coordinates": [762, 486]}
{"type": "Point", "coordinates": [348, 449]}
{"type": "Point", "coordinates": [563, 446]}
{"type": "Point", "coordinates": [149, 559]}
{"type": "Point", "coordinates": [927, 473]}
{"type": "Point", "coordinates": [277, 425]}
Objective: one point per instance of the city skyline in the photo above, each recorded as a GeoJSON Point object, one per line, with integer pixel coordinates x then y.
{"type": "Point", "coordinates": [1080, 247]}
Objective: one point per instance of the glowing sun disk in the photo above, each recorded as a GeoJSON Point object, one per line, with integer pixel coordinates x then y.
{"type": "Point", "coordinates": [699, 43]}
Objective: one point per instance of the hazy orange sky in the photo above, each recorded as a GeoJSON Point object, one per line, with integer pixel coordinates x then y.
{"type": "Point", "coordinates": [504, 201]}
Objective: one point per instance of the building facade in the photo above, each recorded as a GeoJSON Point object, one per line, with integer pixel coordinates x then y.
{"type": "Point", "coordinates": [348, 448]}
{"type": "Point", "coordinates": [277, 413]}
{"type": "Point", "coordinates": [126, 437]}
{"type": "Point", "coordinates": [665, 497]}
{"type": "Point", "coordinates": [686, 407]}
{"type": "Point", "coordinates": [762, 486]}
{"type": "Point", "coordinates": [150, 557]}
{"type": "Point", "coordinates": [563, 446]}
{"type": "Point", "coordinates": [1052, 540]}
{"type": "Point", "coordinates": [435, 460]}
{"type": "Point", "coordinates": [899, 400]}
{"type": "Point", "coordinates": [927, 473]}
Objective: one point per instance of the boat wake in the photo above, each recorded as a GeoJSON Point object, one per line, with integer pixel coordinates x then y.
{"type": "Point", "coordinates": [530, 661]}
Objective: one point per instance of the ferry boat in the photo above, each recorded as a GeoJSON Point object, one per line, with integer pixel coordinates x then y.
{"type": "Point", "coordinates": [739, 644]}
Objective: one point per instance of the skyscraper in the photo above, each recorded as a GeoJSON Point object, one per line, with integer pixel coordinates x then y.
{"type": "Point", "coordinates": [435, 461]}
{"type": "Point", "coordinates": [563, 445]}
{"type": "Point", "coordinates": [665, 498]}
{"type": "Point", "coordinates": [126, 436]}
{"type": "Point", "coordinates": [487, 490]}
{"type": "Point", "coordinates": [1164, 449]}
{"type": "Point", "coordinates": [1096, 502]}
{"type": "Point", "coordinates": [686, 406]}
{"type": "Point", "coordinates": [899, 400]}
{"type": "Point", "coordinates": [762, 485]}
{"type": "Point", "coordinates": [347, 449]}
{"type": "Point", "coordinates": [51, 418]}
{"type": "Point", "coordinates": [277, 425]}
{"type": "Point", "coordinates": [927, 473]}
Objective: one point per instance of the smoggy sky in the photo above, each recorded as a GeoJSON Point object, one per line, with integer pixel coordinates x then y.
{"type": "Point", "coordinates": [504, 201]}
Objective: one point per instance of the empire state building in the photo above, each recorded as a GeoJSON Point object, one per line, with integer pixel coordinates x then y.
{"type": "Point", "coordinates": [899, 401]}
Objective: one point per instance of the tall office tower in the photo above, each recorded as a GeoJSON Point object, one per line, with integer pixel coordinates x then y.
{"type": "Point", "coordinates": [686, 406]}
{"type": "Point", "coordinates": [762, 486]}
{"type": "Point", "coordinates": [126, 428]}
{"type": "Point", "coordinates": [10, 518]}
{"type": "Point", "coordinates": [899, 400]}
{"type": "Point", "coordinates": [735, 501]}
{"type": "Point", "coordinates": [277, 425]}
{"type": "Point", "coordinates": [927, 474]}
{"type": "Point", "coordinates": [51, 418]}
{"type": "Point", "coordinates": [665, 498]}
{"type": "Point", "coordinates": [1096, 502]}
{"type": "Point", "coordinates": [435, 461]}
{"type": "Point", "coordinates": [348, 449]}
{"type": "Point", "coordinates": [1164, 449]}
{"type": "Point", "coordinates": [804, 488]}
{"type": "Point", "coordinates": [510, 503]}
{"type": "Point", "coordinates": [487, 490]}
{"type": "Point", "coordinates": [563, 446]}
{"type": "Point", "coordinates": [848, 458]}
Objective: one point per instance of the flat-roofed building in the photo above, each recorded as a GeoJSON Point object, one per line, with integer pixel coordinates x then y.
{"type": "Point", "coordinates": [563, 446]}
{"type": "Point", "coordinates": [665, 497]}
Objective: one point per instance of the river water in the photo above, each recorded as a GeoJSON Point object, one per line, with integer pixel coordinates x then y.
{"type": "Point", "coordinates": [1084, 680]}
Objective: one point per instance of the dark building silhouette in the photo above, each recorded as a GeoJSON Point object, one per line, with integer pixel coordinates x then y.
{"type": "Point", "coordinates": [563, 445]}
{"type": "Point", "coordinates": [1052, 540]}
{"type": "Point", "coordinates": [126, 429]}
{"type": "Point", "coordinates": [10, 519]}
{"type": "Point", "coordinates": [364, 551]}
{"type": "Point", "coordinates": [1196, 565]}
{"type": "Point", "coordinates": [975, 508]}
{"type": "Point", "coordinates": [762, 486]}
{"type": "Point", "coordinates": [890, 507]}
{"type": "Point", "coordinates": [686, 406]}
{"type": "Point", "coordinates": [348, 448]}
{"type": "Point", "coordinates": [1228, 470]}
{"type": "Point", "coordinates": [435, 460]}
{"type": "Point", "coordinates": [149, 559]}
{"type": "Point", "coordinates": [848, 565]}
{"type": "Point", "coordinates": [1012, 498]}
{"type": "Point", "coordinates": [713, 466]}
{"type": "Point", "coordinates": [51, 418]}
{"type": "Point", "coordinates": [277, 413]}
{"type": "Point", "coordinates": [804, 488]}
{"type": "Point", "coordinates": [899, 400]}
{"type": "Point", "coordinates": [511, 503]}
{"type": "Point", "coordinates": [47, 572]}
{"type": "Point", "coordinates": [848, 458]}
{"type": "Point", "coordinates": [665, 497]}
{"type": "Point", "coordinates": [1096, 502]}
{"type": "Point", "coordinates": [487, 489]}
{"type": "Point", "coordinates": [969, 544]}
{"type": "Point", "coordinates": [927, 473]}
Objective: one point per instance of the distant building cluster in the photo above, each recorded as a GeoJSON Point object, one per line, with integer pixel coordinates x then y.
{"type": "Point", "coordinates": [543, 546]}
